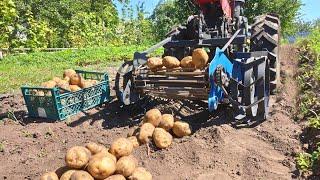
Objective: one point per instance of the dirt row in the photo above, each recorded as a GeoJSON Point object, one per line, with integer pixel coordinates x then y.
{"type": "Point", "coordinates": [215, 150]}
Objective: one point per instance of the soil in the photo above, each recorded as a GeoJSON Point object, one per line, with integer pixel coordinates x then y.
{"type": "Point", "coordinates": [215, 150]}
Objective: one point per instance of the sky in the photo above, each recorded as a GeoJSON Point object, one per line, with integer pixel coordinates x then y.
{"type": "Point", "coordinates": [310, 11]}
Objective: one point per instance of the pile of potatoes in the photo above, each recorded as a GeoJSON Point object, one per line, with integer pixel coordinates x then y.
{"type": "Point", "coordinates": [160, 128]}
{"type": "Point", "coordinates": [198, 60]}
{"type": "Point", "coordinates": [95, 161]}
{"type": "Point", "coordinates": [71, 81]}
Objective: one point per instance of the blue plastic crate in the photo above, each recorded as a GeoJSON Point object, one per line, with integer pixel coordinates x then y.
{"type": "Point", "coordinates": [51, 104]}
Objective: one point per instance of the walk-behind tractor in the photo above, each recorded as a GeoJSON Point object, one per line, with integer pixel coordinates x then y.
{"type": "Point", "coordinates": [243, 67]}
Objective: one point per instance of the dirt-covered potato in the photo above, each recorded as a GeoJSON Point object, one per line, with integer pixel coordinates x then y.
{"type": "Point", "coordinates": [200, 58]}
{"type": "Point", "coordinates": [76, 79]}
{"type": "Point", "coordinates": [126, 165]}
{"type": "Point", "coordinates": [81, 175]}
{"type": "Point", "coordinates": [56, 79]}
{"type": "Point", "coordinates": [121, 147]}
{"type": "Point", "coordinates": [171, 62]}
{"type": "Point", "coordinates": [49, 176]}
{"type": "Point", "coordinates": [154, 63]}
{"type": "Point", "coordinates": [67, 175]}
{"type": "Point", "coordinates": [181, 129]}
{"type": "Point", "coordinates": [74, 88]}
{"type": "Point", "coordinates": [146, 132]}
{"type": "Point", "coordinates": [69, 73]}
{"type": "Point", "coordinates": [116, 177]}
{"type": "Point", "coordinates": [77, 157]}
{"type": "Point", "coordinates": [134, 141]}
{"type": "Point", "coordinates": [105, 152]}
{"type": "Point", "coordinates": [140, 173]}
{"type": "Point", "coordinates": [49, 84]}
{"type": "Point", "coordinates": [94, 148]}
{"type": "Point", "coordinates": [186, 62]}
{"type": "Point", "coordinates": [162, 138]}
{"type": "Point", "coordinates": [101, 168]}
{"type": "Point", "coordinates": [166, 122]}
{"type": "Point", "coordinates": [153, 116]}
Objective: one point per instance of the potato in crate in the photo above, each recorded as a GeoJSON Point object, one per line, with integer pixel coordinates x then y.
{"type": "Point", "coordinates": [61, 98]}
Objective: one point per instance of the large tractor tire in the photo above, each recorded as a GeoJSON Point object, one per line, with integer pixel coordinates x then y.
{"type": "Point", "coordinates": [265, 35]}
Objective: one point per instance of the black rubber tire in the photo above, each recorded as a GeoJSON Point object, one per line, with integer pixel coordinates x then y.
{"type": "Point", "coordinates": [265, 35]}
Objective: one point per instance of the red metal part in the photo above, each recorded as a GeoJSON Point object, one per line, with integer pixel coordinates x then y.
{"type": "Point", "coordinates": [225, 4]}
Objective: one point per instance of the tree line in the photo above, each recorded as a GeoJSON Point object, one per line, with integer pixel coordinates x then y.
{"type": "Point", "coordinates": [89, 23]}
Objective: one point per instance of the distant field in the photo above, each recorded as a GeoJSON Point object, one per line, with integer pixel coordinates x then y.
{"type": "Point", "coordinates": [37, 67]}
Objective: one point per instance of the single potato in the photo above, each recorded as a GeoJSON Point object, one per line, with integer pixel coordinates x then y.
{"type": "Point", "coordinates": [94, 148]}
{"type": "Point", "coordinates": [181, 129]}
{"type": "Point", "coordinates": [116, 177]}
{"type": "Point", "coordinates": [200, 58]}
{"type": "Point", "coordinates": [77, 157]}
{"type": "Point", "coordinates": [69, 73]}
{"type": "Point", "coordinates": [154, 63]}
{"type": "Point", "coordinates": [126, 165]}
{"type": "Point", "coordinates": [171, 62]}
{"type": "Point", "coordinates": [56, 79]}
{"type": "Point", "coordinates": [81, 175]}
{"type": "Point", "coordinates": [74, 88]}
{"type": "Point", "coordinates": [187, 62]}
{"type": "Point", "coordinates": [101, 168]}
{"type": "Point", "coordinates": [153, 116]}
{"type": "Point", "coordinates": [167, 122]}
{"type": "Point", "coordinates": [162, 138]}
{"type": "Point", "coordinates": [121, 147]}
{"type": "Point", "coordinates": [67, 175]}
{"type": "Point", "coordinates": [49, 176]}
{"type": "Point", "coordinates": [146, 132]}
{"type": "Point", "coordinates": [140, 173]}
{"type": "Point", "coordinates": [76, 79]}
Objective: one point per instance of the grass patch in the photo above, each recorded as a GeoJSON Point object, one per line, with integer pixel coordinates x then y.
{"type": "Point", "coordinates": [37, 67]}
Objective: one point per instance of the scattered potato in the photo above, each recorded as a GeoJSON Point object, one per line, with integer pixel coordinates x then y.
{"type": "Point", "coordinates": [69, 73]}
{"type": "Point", "coordinates": [77, 157]}
{"type": "Point", "coordinates": [49, 176]}
{"type": "Point", "coordinates": [181, 129]}
{"type": "Point", "coordinates": [134, 141]}
{"type": "Point", "coordinates": [101, 168]}
{"type": "Point", "coordinates": [171, 62]}
{"type": "Point", "coordinates": [140, 173]}
{"type": "Point", "coordinates": [200, 58]}
{"type": "Point", "coordinates": [126, 165]}
{"type": "Point", "coordinates": [75, 79]}
{"type": "Point", "coordinates": [121, 147]}
{"type": "Point", "coordinates": [81, 175]}
{"type": "Point", "coordinates": [94, 148]}
{"type": "Point", "coordinates": [116, 177]}
{"type": "Point", "coordinates": [56, 79]}
{"type": "Point", "coordinates": [153, 116]}
{"type": "Point", "coordinates": [74, 88]}
{"type": "Point", "coordinates": [67, 175]}
{"type": "Point", "coordinates": [167, 122]}
{"type": "Point", "coordinates": [187, 62]}
{"type": "Point", "coordinates": [162, 138]}
{"type": "Point", "coordinates": [49, 84]}
{"type": "Point", "coordinates": [146, 132]}
{"type": "Point", "coordinates": [154, 63]}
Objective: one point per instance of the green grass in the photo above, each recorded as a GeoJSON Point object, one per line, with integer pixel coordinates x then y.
{"type": "Point", "coordinates": [35, 68]}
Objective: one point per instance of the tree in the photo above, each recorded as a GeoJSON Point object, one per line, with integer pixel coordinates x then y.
{"type": "Point", "coordinates": [173, 12]}
{"type": "Point", "coordinates": [8, 16]}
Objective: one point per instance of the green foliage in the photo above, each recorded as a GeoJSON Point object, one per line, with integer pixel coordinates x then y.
{"type": "Point", "coordinates": [8, 15]}
{"type": "Point", "coordinates": [314, 122]}
{"type": "Point", "coordinates": [37, 67]}
{"type": "Point", "coordinates": [288, 10]}
{"type": "Point", "coordinates": [303, 161]}
{"type": "Point", "coordinates": [174, 12]}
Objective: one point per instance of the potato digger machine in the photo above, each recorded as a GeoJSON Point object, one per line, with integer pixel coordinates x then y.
{"type": "Point", "coordinates": [243, 68]}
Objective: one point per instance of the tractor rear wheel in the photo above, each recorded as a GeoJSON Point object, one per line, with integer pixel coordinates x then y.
{"type": "Point", "coordinates": [265, 35]}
